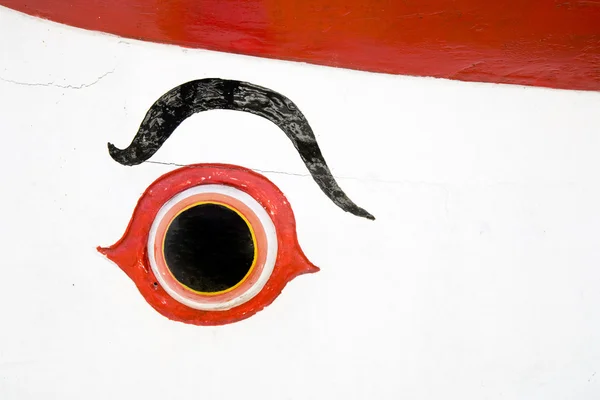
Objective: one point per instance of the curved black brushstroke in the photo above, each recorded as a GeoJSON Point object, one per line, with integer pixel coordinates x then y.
{"type": "Point", "coordinates": [211, 94]}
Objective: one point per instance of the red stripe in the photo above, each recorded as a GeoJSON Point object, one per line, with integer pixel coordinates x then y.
{"type": "Point", "coordinates": [553, 43]}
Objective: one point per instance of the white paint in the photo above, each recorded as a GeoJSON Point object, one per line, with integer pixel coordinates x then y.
{"type": "Point", "coordinates": [270, 234]}
{"type": "Point", "coordinates": [478, 280]}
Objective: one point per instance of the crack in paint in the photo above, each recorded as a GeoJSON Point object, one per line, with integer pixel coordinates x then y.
{"type": "Point", "coordinates": [52, 84]}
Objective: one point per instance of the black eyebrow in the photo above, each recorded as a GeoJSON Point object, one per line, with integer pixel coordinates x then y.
{"type": "Point", "coordinates": [181, 102]}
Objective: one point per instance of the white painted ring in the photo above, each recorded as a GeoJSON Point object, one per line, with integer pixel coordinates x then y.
{"type": "Point", "coordinates": [263, 217]}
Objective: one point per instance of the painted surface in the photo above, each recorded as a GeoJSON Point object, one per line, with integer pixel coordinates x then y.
{"type": "Point", "coordinates": [277, 255]}
{"type": "Point", "coordinates": [478, 279]}
{"type": "Point", "coordinates": [551, 43]}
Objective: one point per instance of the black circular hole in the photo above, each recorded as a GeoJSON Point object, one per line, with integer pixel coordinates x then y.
{"type": "Point", "coordinates": [209, 248]}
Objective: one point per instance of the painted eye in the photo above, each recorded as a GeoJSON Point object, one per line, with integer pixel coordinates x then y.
{"type": "Point", "coordinates": [211, 244]}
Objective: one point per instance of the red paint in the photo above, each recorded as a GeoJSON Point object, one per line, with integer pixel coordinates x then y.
{"type": "Point", "coordinates": [553, 43]}
{"type": "Point", "coordinates": [130, 251]}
